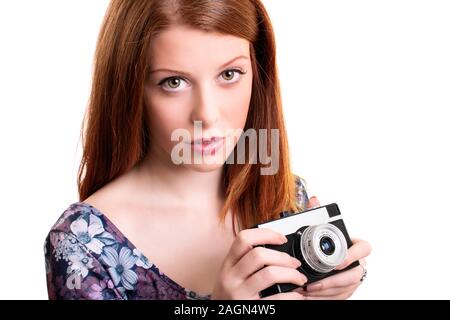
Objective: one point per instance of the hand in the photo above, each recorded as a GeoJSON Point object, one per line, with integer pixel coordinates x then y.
{"type": "Point", "coordinates": [313, 202]}
{"type": "Point", "coordinates": [343, 284]}
{"type": "Point", "coordinates": [246, 270]}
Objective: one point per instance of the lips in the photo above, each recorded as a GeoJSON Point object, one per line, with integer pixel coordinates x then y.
{"type": "Point", "coordinates": [208, 146]}
{"type": "Point", "coordinates": [207, 141]}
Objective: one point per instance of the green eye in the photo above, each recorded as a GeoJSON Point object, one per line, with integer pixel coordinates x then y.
{"type": "Point", "coordinates": [173, 83]}
{"type": "Point", "coordinates": [228, 75]}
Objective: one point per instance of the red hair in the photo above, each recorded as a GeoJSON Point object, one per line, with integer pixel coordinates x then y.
{"type": "Point", "coordinates": [114, 131]}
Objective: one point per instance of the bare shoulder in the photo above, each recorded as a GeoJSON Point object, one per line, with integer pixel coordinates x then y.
{"type": "Point", "coordinates": [114, 197]}
{"type": "Point", "coordinates": [130, 208]}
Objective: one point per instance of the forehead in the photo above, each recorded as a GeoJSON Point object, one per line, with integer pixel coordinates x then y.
{"type": "Point", "coordinates": [183, 47]}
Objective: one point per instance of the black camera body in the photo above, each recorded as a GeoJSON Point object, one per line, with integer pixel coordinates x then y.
{"type": "Point", "coordinates": [317, 237]}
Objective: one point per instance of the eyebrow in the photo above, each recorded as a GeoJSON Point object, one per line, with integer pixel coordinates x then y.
{"type": "Point", "coordinates": [187, 74]}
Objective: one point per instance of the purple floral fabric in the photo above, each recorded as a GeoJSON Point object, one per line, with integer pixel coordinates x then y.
{"type": "Point", "coordinates": [87, 257]}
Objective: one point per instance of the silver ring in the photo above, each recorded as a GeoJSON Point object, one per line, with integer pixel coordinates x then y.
{"type": "Point", "coordinates": [364, 275]}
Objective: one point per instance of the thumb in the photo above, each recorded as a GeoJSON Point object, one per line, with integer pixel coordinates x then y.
{"type": "Point", "coordinates": [313, 202]}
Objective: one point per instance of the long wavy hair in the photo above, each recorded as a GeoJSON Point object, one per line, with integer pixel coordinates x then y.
{"type": "Point", "coordinates": [115, 134]}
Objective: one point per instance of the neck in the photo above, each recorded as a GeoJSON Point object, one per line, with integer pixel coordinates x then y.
{"type": "Point", "coordinates": [179, 184]}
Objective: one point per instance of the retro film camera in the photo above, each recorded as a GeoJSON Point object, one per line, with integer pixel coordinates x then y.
{"type": "Point", "coordinates": [317, 237]}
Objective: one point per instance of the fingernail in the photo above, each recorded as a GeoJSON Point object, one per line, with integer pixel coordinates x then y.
{"type": "Point", "coordinates": [296, 262]}
{"type": "Point", "coordinates": [283, 239]}
{"type": "Point", "coordinates": [314, 287]}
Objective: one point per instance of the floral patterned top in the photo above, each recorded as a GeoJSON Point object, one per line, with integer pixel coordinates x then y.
{"type": "Point", "coordinates": [87, 257]}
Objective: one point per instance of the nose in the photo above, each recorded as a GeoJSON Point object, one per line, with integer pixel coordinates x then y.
{"type": "Point", "coordinates": [206, 106]}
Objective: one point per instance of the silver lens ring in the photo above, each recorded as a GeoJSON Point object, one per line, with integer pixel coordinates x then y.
{"type": "Point", "coordinates": [314, 255]}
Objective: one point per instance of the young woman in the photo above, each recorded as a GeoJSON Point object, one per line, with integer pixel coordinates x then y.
{"type": "Point", "coordinates": [149, 227]}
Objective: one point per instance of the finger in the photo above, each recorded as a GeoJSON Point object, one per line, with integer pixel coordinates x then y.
{"type": "Point", "coordinates": [248, 238]}
{"type": "Point", "coordinates": [313, 202]}
{"type": "Point", "coordinates": [285, 296]}
{"type": "Point", "coordinates": [360, 249]}
{"type": "Point", "coordinates": [342, 296]}
{"type": "Point", "coordinates": [331, 291]}
{"type": "Point", "coordinates": [269, 276]}
{"type": "Point", "coordinates": [259, 257]}
{"type": "Point", "coordinates": [342, 279]}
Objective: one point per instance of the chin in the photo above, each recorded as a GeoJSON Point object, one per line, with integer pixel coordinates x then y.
{"type": "Point", "coordinates": [204, 167]}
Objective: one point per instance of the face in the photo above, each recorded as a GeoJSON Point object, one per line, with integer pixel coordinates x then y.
{"type": "Point", "coordinates": [199, 86]}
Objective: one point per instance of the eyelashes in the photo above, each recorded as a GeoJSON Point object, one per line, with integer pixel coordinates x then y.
{"type": "Point", "coordinates": [163, 83]}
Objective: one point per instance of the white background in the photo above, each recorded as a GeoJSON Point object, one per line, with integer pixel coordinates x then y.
{"type": "Point", "coordinates": [366, 92]}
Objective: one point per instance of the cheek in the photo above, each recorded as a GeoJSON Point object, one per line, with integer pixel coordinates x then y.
{"type": "Point", "coordinates": [236, 113]}
{"type": "Point", "coordinates": [238, 106]}
{"type": "Point", "coordinates": [164, 117]}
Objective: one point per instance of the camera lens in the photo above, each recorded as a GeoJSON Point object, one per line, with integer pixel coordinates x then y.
{"type": "Point", "coordinates": [323, 247]}
{"type": "Point", "coordinates": [327, 246]}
